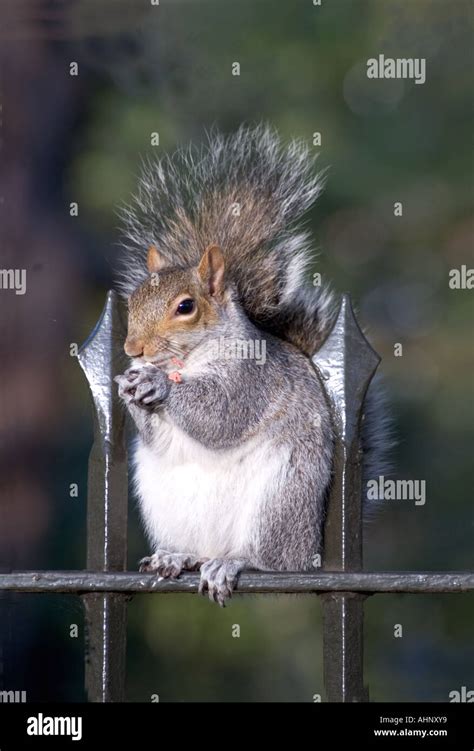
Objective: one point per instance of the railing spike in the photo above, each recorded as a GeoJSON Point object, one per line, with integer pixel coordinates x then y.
{"type": "Point", "coordinates": [101, 359]}
{"type": "Point", "coordinates": [346, 363]}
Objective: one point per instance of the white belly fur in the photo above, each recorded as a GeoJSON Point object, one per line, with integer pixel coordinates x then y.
{"type": "Point", "coordinates": [195, 500]}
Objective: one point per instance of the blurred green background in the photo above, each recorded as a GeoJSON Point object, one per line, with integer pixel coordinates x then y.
{"type": "Point", "coordinates": [167, 69]}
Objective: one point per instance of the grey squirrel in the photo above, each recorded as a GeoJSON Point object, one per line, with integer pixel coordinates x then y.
{"type": "Point", "coordinates": [234, 453]}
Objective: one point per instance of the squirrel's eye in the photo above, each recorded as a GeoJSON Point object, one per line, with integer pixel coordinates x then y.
{"type": "Point", "coordinates": [185, 307]}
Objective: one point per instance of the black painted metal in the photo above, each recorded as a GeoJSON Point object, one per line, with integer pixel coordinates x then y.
{"type": "Point", "coordinates": [79, 582]}
{"type": "Point", "coordinates": [346, 363]}
{"type": "Point", "coordinates": [106, 614]}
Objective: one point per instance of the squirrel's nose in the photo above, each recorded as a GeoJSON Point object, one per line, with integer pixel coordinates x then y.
{"type": "Point", "coordinates": [133, 347]}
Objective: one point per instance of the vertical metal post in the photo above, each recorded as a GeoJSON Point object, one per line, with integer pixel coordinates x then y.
{"type": "Point", "coordinates": [346, 363]}
{"type": "Point", "coordinates": [106, 615]}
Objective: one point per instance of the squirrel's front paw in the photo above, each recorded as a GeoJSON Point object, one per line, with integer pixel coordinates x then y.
{"type": "Point", "coordinates": [146, 387]}
{"type": "Point", "coordinates": [126, 384]}
{"type": "Point", "coordinates": [219, 577]}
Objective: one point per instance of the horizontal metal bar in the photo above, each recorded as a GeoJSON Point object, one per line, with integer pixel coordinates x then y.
{"type": "Point", "coordinates": [78, 582]}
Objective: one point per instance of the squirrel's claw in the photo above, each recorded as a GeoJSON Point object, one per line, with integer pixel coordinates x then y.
{"type": "Point", "coordinates": [126, 388]}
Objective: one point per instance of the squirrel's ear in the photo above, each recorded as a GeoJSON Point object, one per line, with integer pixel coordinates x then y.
{"type": "Point", "coordinates": [154, 261]}
{"type": "Point", "coordinates": [211, 269]}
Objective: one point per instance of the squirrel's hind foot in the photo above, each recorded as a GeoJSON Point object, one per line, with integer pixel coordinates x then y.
{"type": "Point", "coordinates": [169, 565]}
{"type": "Point", "coordinates": [219, 577]}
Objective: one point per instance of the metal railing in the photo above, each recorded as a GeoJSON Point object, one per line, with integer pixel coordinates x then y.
{"type": "Point", "coordinates": [346, 364]}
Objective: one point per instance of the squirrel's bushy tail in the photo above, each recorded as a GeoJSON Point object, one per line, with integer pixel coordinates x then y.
{"type": "Point", "coordinates": [246, 192]}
